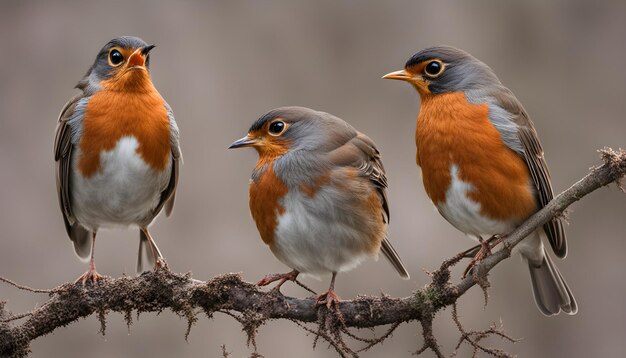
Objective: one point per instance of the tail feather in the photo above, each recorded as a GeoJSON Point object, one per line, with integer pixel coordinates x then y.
{"type": "Point", "coordinates": [393, 257]}
{"type": "Point", "coordinates": [82, 240]}
{"type": "Point", "coordinates": [552, 294]}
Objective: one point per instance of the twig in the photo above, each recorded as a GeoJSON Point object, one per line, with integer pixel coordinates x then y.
{"type": "Point", "coordinates": [474, 337]}
{"type": "Point", "coordinates": [25, 288]}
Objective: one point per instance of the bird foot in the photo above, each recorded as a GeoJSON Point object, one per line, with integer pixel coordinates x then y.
{"type": "Point", "coordinates": [90, 275]}
{"type": "Point", "coordinates": [329, 299]}
{"type": "Point", "coordinates": [282, 277]}
{"type": "Point", "coordinates": [160, 263]}
{"type": "Point", "coordinates": [483, 252]}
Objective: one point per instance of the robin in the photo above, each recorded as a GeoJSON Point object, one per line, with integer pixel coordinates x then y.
{"type": "Point", "coordinates": [317, 195]}
{"type": "Point", "coordinates": [116, 151]}
{"type": "Point", "coordinates": [482, 163]}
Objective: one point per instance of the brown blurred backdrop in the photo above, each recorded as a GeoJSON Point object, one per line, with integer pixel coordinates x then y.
{"type": "Point", "coordinates": [220, 65]}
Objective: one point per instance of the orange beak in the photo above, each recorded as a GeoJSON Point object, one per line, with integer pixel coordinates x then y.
{"type": "Point", "coordinates": [416, 80]}
{"type": "Point", "coordinates": [138, 58]}
{"type": "Point", "coordinates": [398, 75]}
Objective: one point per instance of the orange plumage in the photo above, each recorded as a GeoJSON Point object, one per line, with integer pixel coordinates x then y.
{"type": "Point", "coordinates": [115, 112]}
{"type": "Point", "coordinates": [452, 130]}
{"type": "Point", "coordinates": [265, 194]}
{"type": "Point", "coordinates": [482, 163]}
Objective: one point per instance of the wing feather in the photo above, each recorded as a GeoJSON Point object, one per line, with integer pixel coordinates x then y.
{"type": "Point", "coordinates": [168, 195]}
{"type": "Point", "coordinates": [80, 236]}
{"type": "Point", "coordinates": [533, 155]}
{"type": "Point", "coordinates": [361, 153]}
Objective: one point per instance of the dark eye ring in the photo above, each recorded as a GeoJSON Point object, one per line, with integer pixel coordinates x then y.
{"type": "Point", "coordinates": [115, 57]}
{"type": "Point", "coordinates": [433, 68]}
{"type": "Point", "coordinates": [277, 128]}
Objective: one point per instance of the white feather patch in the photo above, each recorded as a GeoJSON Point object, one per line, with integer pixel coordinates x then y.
{"type": "Point", "coordinates": [122, 193]}
{"type": "Point", "coordinates": [464, 213]}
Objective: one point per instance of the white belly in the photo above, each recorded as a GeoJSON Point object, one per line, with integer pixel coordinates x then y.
{"type": "Point", "coordinates": [464, 213]}
{"type": "Point", "coordinates": [311, 236]}
{"type": "Point", "coordinates": [122, 193]}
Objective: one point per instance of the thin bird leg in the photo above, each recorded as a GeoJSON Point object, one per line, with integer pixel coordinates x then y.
{"type": "Point", "coordinates": [485, 250]}
{"type": "Point", "coordinates": [159, 261]}
{"type": "Point", "coordinates": [493, 241]}
{"type": "Point", "coordinates": [329, 298]}
{"type": "Point", "coordinates": [282, 277]}
{"type": "Point", "coordinates": [91, 274]}
{"type": "Point", "coordinates": [471, 252]}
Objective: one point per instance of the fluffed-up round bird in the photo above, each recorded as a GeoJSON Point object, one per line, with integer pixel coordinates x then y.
{"type": "Point", "coordinates": [317, 195]}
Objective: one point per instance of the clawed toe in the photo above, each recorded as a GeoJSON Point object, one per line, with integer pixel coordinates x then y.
{"type": "Point", "coordinates": [282, 277]}
{"type": "Point", "coordinates": [160, 263]}
{"type": "Point", "coordinates": [483, 252]}
{"type": "Point", "coordinates": [90, 275]}
{"type": "Point", "coordinates": [329, 299]}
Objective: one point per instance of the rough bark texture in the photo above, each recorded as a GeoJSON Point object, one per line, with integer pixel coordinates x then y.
{"type": "Point", "coordinates": [162, 289]}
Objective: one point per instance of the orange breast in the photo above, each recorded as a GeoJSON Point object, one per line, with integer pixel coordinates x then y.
{"type": "Point", "coordinates": [112, 114]}
{"type": "Point", "coordinates": [451, 130]}
{"type": "Point", "coordinates": [265, 194]}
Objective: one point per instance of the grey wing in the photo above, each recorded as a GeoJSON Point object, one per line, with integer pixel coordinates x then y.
{"type": "Point", "coordinates": [168, 195]}
{"type": "Point", "coordinates": [527, 145]}
{"type": "Point", "coordinates": [80, 236]}
{"type": "Point", "coordinates": [361, 152]}
{"type": "Point", "coordinates": [372, 167]}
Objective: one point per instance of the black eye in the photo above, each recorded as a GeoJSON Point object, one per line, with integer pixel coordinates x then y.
{"type": "Point", "coordinates": [433, 68]}
{"type": "Point", "coordinates": [115, 57]}
{"type": "Point", "coordinates": [277, 127]}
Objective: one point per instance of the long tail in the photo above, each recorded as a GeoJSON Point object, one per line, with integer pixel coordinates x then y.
{"type": "Point", "coordinates": [393, 257]}
{"type": "Point", "coordinates": [550, 289]}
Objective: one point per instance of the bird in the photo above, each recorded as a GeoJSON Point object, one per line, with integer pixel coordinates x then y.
{"type": "Point", "coordinates": [117, 152]}
{"type": "Point", "coordinates": [317, 195]}
{"type": "Point", "coordinates": [482, 164]}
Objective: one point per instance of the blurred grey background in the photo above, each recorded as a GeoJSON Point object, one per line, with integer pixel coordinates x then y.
{"type": "Point", "coordinates": [221, 65]}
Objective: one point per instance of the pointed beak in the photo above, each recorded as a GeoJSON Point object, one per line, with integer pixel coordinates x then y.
{"type": "Point", "coordinates": [398, 75]}
{"type": "Point", "coordinates": [246, 141]}
{"type": "Point", "coordinates": [137, 58]}
{"type": "Point", "coordinates": [147, 49]}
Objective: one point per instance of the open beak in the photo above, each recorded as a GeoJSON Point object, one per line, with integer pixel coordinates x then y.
{"type": "Point", "coordinates": [138, 58]}
{"type": "Point", "coordinates": [246, 141]}
{"type": "Point", "coordinates": [398, 75]}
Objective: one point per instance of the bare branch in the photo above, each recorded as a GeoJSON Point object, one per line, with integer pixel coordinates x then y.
{"type": "Point", "coordinates": [228, 293]}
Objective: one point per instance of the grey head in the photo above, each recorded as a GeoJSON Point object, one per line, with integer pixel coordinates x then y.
{"type": "Point", "coordinates": [289, 129]}
{"type": "Point", "coordinates": [112, 59]}
{"type": "Point", "coordinates": [443, 69]}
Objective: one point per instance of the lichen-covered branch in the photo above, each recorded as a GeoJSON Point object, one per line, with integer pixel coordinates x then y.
{"type": "Point", "coordinates": [162, 289]}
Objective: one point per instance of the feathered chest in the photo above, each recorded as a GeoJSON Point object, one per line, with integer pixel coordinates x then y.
{"type": "Point", "coordinates": [455, 134]}
{"type": "Point", "coordinates": [111, 115]}
{"type": "Point", "coordinates": [266, 192]}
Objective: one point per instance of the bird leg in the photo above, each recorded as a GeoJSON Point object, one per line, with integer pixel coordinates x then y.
{"type": "Point", "coordinates": [484, 251]}
{"type": "Point", "coordinates": [159, 261]}
{"type": "Point", "coordinates": [91, 274]}
{"type": "Point", "coordinates": [283, 277]}
{"type": "Point", "coordinates": [470, 253]}
{"type": "Point", "coordinates": [495, 240]}
{"type": "Point", "coordinates": [329, 298]}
